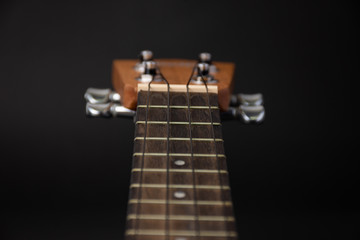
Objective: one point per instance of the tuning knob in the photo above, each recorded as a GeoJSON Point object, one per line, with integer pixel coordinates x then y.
{"type": "Point", "coordinates": [150, 67]}
{"type": "Point", "coordinates": [205, 57]}
{"type": "Point", "coordinates": [203, 69]}
{"type": "Point", "coordinates": [252, 114]}
{"type": "Point", "coordinates": [96, 96]}
{"type": "Point", "coordinates": [149, 72]}
{"type": "Point", "coordinates": [144, 56]}
{"type": "Point", "coordinates": [108, 110]}
{"type": "Point", "coordinates": [247, 114]}
{"type": "Point", "coordinates": [246, 99]}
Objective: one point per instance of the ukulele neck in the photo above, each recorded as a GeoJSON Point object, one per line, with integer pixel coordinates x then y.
{"type": "Point", "coordinates": [179, 185]}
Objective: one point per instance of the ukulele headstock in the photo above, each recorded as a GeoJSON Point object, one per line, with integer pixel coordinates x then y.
{"type": "Point", "coordinates": [129, 73]}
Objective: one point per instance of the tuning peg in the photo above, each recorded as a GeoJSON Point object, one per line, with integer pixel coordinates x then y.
{"type": "Point", "coordinates": [149, 72]}
{"type": "Point", "coordinates": [150, 68]}
{"type": "Point", "coordinates": [108, 110]}
{"type": "Point", "coordinates": [247, 114]}
{"type": "Point", "coordinates": [146, 55]}
{"type": "Point", "coordinates": [203, 74]}
{"type": "Point", "coordinates": [205, 57]}
{"type": "Point", "coordinates": [203, 69]}
{"type": "Point", "coordinates": [246, 99]}
{"type": "Point", "coordinates": [252, 114]}
{"type": "Point", "coordinates": [98, 96]}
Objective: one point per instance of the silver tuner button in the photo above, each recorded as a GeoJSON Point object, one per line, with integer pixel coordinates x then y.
{"type": "Point", "coordinates": [146, 55]}
{"type": "Point", "coordinates": [107, 110]}
{"type": "Point", "coordinates": [99, 96]}
{"type": "Point", "coordinates": [120, 111]}
{"type": "Point", "coordinates": [205, 57]}
{"type": "Point", "coordinates": [203, 74]}
{"type": "Point", "coordinates": [149, 73]}
{"type": "Point", "coordinates": [252, 114]}
{"type": "Point", "coordinates": [247, 114]}
{"type": "Point", "coordinates": [98, 110]}
{"type": "Point", "coordinates": [247, 99]}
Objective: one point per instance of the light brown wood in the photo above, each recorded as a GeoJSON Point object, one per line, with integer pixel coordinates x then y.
{"type": "Point", "coordinates": [176, 71]}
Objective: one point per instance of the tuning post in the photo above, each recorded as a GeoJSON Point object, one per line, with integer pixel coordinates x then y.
{"type": "Point", "coordinates": [205, 57]}
{"type": "Point", "coordinates": [203, 69]}
{"type": "Point", "coordinates": [149, 73]}
{"type": "Point", "coordinates": [203, 74]}
{"type": "Point", "coordinates": [97, 95]}
{"type": "Point", "coordinates": [144, 56]}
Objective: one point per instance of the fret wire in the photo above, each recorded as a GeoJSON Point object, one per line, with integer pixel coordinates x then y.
{"type": "Point", "coordinates": [179, 154]}
{"type": "Point", "coordinates": [180, 202]}
{"type": "Point", "coordinates": [179, 139]}
{"type": "Point", "coordinates": [177, 123]}
{"type": "Point", "coordinates": [181, 217]}
{"type": "Point", "coordinates": [177, 170]}
{"type": "Point", "coordinates": [181, 107]}
{"type": "Point", "coordinates": [150, 185]}
{"type": "Point", "coordinates": [183, 233]}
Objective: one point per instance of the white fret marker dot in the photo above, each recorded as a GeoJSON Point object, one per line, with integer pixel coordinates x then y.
{"type": "Point", "coordinates": [179, 194]}
{"type": "Point", "coordinates": [179, 163]}
{"type": "Point", "coordinates": [180, 238]}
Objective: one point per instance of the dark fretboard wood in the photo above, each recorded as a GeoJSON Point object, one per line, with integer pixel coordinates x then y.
{"type": "Point", "coordinates": [179, 185]}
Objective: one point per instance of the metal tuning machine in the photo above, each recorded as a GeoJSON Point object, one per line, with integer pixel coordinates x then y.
{"type": "Point", "coordinates": [105, 103]}
{"type": "Point", "coordinates": [246, 107]}
{"type": "Point", "coordinates": [206, 57]}
{"type": "Point", "coordinates": [204, 68]}
{"type": "Point", "coordinates": [96, 95]}
{"type": "Point", "coordinates": [150, 72]}
{"type": "Point", "coordinates": [246, 99]}
{"type": "Point", "coordinates": [147, 67]}
{"type": "Point", "coordinates": [107, 110]}
{"type": "Point", "coordinates": [144, 56]}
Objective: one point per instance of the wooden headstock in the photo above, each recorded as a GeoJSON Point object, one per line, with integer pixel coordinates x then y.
{"type": "Point", "coordinates": [131, 76]}
{"type": "Point", "coordinates": [176, 71]}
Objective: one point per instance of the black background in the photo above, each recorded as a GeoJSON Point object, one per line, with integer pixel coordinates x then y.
{"type": "Point", "coordinates": [66, 177]}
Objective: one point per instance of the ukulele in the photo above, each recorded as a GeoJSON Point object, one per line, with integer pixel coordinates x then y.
{"type": "Point", "coordinates": [179, 188]}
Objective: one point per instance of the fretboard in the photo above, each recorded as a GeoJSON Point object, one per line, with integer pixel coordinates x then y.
{"type": "Point", "coordinates": [179, 184]}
